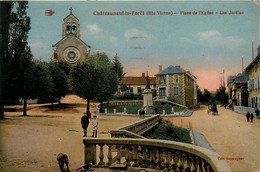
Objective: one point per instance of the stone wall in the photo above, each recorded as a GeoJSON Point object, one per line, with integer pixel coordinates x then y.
{"type": "Point", "coordinates": [244, 109]}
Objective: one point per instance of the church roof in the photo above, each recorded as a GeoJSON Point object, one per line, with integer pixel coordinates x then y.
{"type": "Point", "coordinates": [67, 37]}
{"type": "Point", "coordinates": [71, 15]}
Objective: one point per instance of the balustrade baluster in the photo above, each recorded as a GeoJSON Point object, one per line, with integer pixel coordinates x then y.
{"type": "Point", "coordinates": [206, 165]}
{"type": "Point", "coordinates": [139, 156]}
{"type": "Point", "coordinates": [109, 155]}
{"type": "Point", "coordinates": [165, 160]}
{"type": "Point", "coordinates": [101, 155]}
{"type": "Point", "coordinates": [127, 157]}
{"type": "Point", "coordinates": [151, 166]}
{"type": "Point", "coordinates": [185, 162]}
{"type": "Point", "coordinates": [198, 166]}
{"type": "Point", "coordinates": [135, 156]}
{"type": "Point", "coordinates": [178, 165]}
{"type": "Point", "coordinates": [171, 160]}
{"type": "Point", "coordinates": [118, 157]}
{"type": "Point", "coordinates": [158, 160]}
{"type": "Point", "coordinates": [192, 166]}
{"type": "Point", "coordinates": [144, 157]}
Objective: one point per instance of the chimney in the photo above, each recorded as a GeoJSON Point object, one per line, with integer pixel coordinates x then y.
{"type": "Point", "coordinates": [160, 68]}
{"type": "Point", "coordinates": [143, 75]}
{"type": "Point", "coordinates": [178, 66]}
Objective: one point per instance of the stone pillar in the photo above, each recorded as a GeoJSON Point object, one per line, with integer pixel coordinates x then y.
{"type": "Point", "coordinates": [90, 153]}
{"type": "Point", "coordinates": [147, 98]}
{"type": "Point", "coordinates": [105, 110]}
{"type": "Point", "coordinates": [163, 112]}
{"type": "Point", "coordinates": [124, 110]}
{"type": "Point", "coordinates": [114, 111]}
{"type": "Point", "coordinates": [172, 110]}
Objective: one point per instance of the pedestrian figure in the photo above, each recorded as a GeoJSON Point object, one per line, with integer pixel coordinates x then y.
{"type": "Point", "coordinates": [247, 116]}
{"type": "Point", "coordinates": [257, 112]}
{"type": "Point", "coordinates": [252, 117]}
{"type": "Point", "coordinates": [143, 112]}
{"type": "Point", "coordinates": [84, 123]}
{"type": "Point", "coordinates": [95, 126]}
{"type": "Point", "coordinates": [214, 109]}
{"type": "Point", "coordinates": [140, 113]}
{"type": "Point", "coordinates": [156, 110]}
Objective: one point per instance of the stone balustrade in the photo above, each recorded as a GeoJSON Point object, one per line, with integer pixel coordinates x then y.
{"type": "Point", "coordinates": [136, 129]}
{"type": "Point", "coordinates": [150, 153]}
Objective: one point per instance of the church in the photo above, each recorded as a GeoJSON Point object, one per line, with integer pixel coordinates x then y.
{"type": "Point", "coordinates": [71, 48]}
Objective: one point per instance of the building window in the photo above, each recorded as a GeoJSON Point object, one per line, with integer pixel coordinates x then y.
{"type": "Point", "coordinates": [176, 79]}
{"type": "Point", "coordinates": [74, 28]}
{"type": "Point", "coordinates": [68, 28]}
{"type": "Point", "coordinates": [176, 91]}
{"type": "Point", "coordinates": [162, 91]}
{"type": "Point", "coordinates": [139, 90]}
{"type": "Point", "coordinates": [162, 79]}
{"type": "Point", "coordinates": [129, 90]}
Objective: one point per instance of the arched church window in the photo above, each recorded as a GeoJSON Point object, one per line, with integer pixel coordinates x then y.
{"type": "Point", "coordinates": [74, 28]}
{"type": "Point", "coordinates": [68, 28]}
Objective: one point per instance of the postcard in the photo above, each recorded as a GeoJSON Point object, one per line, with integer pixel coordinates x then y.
{"type": "Point", "coordinates": [168, 51]}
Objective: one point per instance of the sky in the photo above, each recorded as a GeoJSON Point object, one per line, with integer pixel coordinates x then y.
{"type": "Point", "coordinates": [203, 44]}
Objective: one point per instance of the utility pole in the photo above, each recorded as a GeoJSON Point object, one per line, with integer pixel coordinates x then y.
{"type": "Point", "coordinates": [223, 78]}
{"type": "Point", "coordinates": [242, 65]}
{"type": "Point", "coordinates": [253, 51]}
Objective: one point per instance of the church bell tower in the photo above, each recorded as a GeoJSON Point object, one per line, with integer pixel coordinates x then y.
{"type": "Point", "coordinates": [71, 48]}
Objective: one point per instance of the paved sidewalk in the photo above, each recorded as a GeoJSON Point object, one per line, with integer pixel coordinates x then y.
{"type": "Point", "coordinates": [201, 141]}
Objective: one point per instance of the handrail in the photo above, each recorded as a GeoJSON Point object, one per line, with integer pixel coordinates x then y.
{"type": "Point", "coordinates": [136, 129]}
{"type": "Point", "coordinates": [158, 153]}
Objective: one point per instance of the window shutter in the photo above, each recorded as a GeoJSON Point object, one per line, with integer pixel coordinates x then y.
{"type": "Point", "coordinates": [259, 81]}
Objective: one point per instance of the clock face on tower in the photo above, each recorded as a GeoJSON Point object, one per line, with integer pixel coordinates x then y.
{"type": "Point", "coordinates": [71, 54]}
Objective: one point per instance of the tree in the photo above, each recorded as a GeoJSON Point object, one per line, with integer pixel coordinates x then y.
{"type": "Point", "coordinates": [109, 79]}
{"type": "Point", "coordinates": [222, 95]}
{"type": "Point", "coordinates": [200, 95]}
{"type": "Point", "coordinates": [59, 79]}
{"type": "Point", "coordinates": [21, 69]}
{"type": "Point", "coordinates": [92, 79]}
{"type": "Point", "coordinates": [44, 81]}
{"type": "Point", "coordinates": [118, 68]}
{"type": "Point", "coordinates": [5, 10]}
{"type": "Point", "coordinates": [207, 96]}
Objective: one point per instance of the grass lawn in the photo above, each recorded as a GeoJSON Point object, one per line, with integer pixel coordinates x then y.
{"type": "Point", "coordinates": [169, 132]}
{"type": "Point", "coordinates": [133, 109]}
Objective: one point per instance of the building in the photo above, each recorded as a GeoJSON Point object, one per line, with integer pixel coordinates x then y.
{"type": "Point", "coordinates": [237, 85]}
{"type": "Point", "coordinates": [177, 85]}
{"type": "Point", "coordinates": [71, 48]}
{"type": "Point", "coordinates": [136, 84]}
{"type": "Point", "coordinates": [230, 81]}
{"type": "Point", "coordinates": [253, 84]}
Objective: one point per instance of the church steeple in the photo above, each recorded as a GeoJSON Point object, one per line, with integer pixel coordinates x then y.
{"type": "Point", "coordinates": [71, 25]}
{"type": "Point", "coordinates": [71, 48]}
